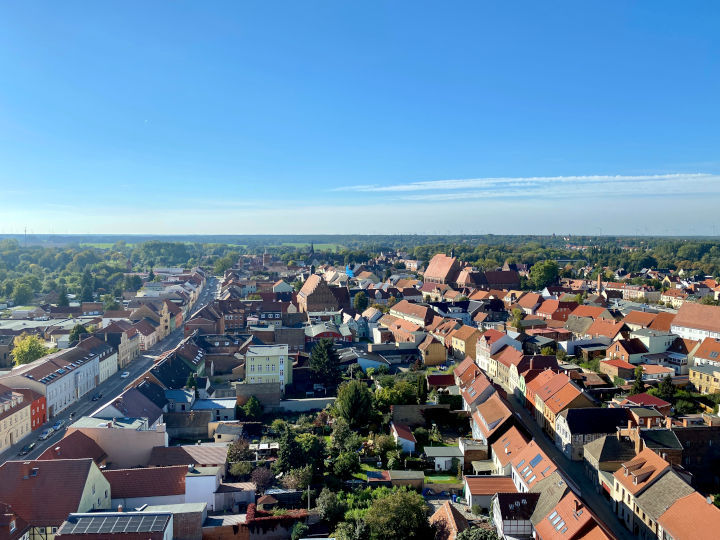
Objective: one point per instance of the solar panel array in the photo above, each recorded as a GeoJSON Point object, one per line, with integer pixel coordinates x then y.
{"type": "Point", "coordinates": [127, 523]}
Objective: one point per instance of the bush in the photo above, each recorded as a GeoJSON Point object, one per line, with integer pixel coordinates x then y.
{"type": "Point", "coordinates": [476, 509]}
{"type": "Point", "coordinates": [421, 435]}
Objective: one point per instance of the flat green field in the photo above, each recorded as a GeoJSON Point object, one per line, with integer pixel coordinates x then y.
{"type": "Point", "coordinates": [441, 479]}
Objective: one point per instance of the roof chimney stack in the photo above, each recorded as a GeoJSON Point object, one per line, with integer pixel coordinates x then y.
{"type": "Point", "coordinates": [120, 508]}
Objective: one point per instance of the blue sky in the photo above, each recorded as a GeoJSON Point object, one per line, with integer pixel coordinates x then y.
{"type": "Point", "coordinates": [367, 117]}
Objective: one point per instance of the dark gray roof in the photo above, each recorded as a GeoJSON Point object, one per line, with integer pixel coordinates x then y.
{"type": "Point", "coordinates": [442, 451]}
{"type": "Point", "coordinates": [132, 404]}
{"type": "Point", "coordinates": [552, 488]}
{"type": "Point", "coordinates": [594, 420]}
{"type": "Point", "coordinates": [517, 506]}
{"type": "Point", "coordinates": [609, 448]}
{"type": "Point", "coordinates": [663, 493]}
{"type": "Point", "coordinates": [660, 438]}
{"type": "Point", "coordinates": [578, 325]}
{"type": "Point", "coordinates": [153, 392]}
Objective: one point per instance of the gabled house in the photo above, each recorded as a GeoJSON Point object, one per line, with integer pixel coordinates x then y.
{"type": "Point", "coordinates": [631, 480]}
{"type": "Point", "coordinates": [489, 343]}
{"type": "Point", "coordinates": [43, 493]}
{"type": "Point", "coordinates": [530, 466]}
{"type": "Point", "coordinates": [491, 419]}
{"type": "Point", "coordinates": [556, 310]}
{"type": "Point", "coordinates": [576, 427]}
{"type": "Point", "coordinates": [505, 448]}
{"type": "Point", "coordinates": [476, 391]}
{"type": "Point", "coordinates": [464, 340]}
{"type": "Point", "coordinates": [479, 490]}
{"type": "Point", "coordinates": [403, 437]}
{"type": "Point", "coordinates": [511, 514]}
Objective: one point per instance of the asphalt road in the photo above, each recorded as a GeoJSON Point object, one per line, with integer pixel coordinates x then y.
{"type": "Point", "coordinates": [574, 472]}
{"type": "Point", "coordinates": [110, 389]}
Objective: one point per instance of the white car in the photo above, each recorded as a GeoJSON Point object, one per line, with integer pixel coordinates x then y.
{"type": "Point", "coordinates": [46, 433]}
{"type": "Point", "coordinates": [124, 374]}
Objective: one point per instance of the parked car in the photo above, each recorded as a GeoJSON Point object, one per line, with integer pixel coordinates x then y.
{"type": "Point", "coordinates": [57, 426]}
{"type": "Point", "coordinates": [97, 396]}
{"type": "Point", "coordinates": [27, 449]}
{"type": "Point", "coordinates": [124, 374]}
{"type": "Point", "coordinates": [46, 433]}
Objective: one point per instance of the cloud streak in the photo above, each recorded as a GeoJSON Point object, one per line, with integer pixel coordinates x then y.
{"type": "Point", "coordinates": [546, 186]}
{"type": "Point", "coordinates": [435, 185]}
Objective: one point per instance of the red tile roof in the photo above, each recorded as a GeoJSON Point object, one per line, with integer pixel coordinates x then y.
{"type": "Point", "coordinates": [663, 321]}
{"type": "Point", "coordinates": [532, 464]}
{"type": "Point", "coordinates": [606, 328]}
{"type": "Point", "coordinates": [709, 349]}
{"type": "Point", "coordinates": [490, 485]}
{"type": "Point", "coordinates": [148, 482]}
{"type": "Point", "coordinates": [491, 414]}
{"type": "Point", "coordinates": [510, 443]}
{"type": "Point", "coordinates": [75, 445]}
{"type": "Point", "coordinates": [647, 400]}
{"type": "Point", "coordinates": [46, 497]}
{"type": "Point", "coordinates": [640, 318]}
{"type": "Point", "coordinates": [441, 267]}
{"type": "Point", "coordinates": [403, 432]}
{"type": "Point", "coordinates": [691, 517]}
{"type": "Point", "coordinates": [641, 471]}
{"type": "Point", "coordinates": [574, 518]}
{"type": "Point", "coordinates": [698, 316]}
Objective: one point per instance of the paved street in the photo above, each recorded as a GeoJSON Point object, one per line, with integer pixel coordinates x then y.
{"type": "Point", "coordinates": [574, 472]}
{"type": "Point", "coordinates": [110, 389]}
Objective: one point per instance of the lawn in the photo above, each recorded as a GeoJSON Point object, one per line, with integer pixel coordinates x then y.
{"type": "Point", "coordinates": [438, 478]}
{"type": "Point", "coordinates": [364, 468]}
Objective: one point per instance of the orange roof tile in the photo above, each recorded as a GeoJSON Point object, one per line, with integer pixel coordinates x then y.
{"type": "Point", "coordinates": [490, 485]}
{"type": "Point", "coordinates": [691, 517]}
{"type": "Point", "coordinates": [511, 442]}
{"type": "Point", "coordinates": [640, 472]}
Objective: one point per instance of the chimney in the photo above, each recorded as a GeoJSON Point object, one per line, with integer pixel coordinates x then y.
{"type": "Point", "coordinates": [120, 508]}
{"type": "Point", "coordinates": [668, 422]}
{"type": "Point", "coordinates": [578, 505]}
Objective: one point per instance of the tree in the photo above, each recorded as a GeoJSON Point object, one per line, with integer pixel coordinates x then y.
{"type": "Point", "coordinates": [263, 478]}
{"type": "Point", "coordinates": [354, 403]}
{"type": "Point", "coordinates": [241, 469]}
{"type": "Point", "coordinates": [547, 351]}
{"type": "Point", "coordinates": [346, 465]}
{"type": "Point", "coordinates": [253, 408]}
{"type": "Point", "coordinates": [299, 478]}
{"type": "Point", "coordinates": [398, 516]}
{"type": "Point", "coordinates": [290, 455]}
{"type": "Point", "coordinates": [76, 332]}
{"type": "Point", "coordinates": [330, 507]}
{"type": "Point", "coordinates": [299, 530]}
{"type": "Point", "coordinates": [543, 273]}
{"type": "Point", "coordinates": [63, 297]}
{"type": "Point", "coordinates": [343, 439]}
{"type": "Point", "coordinates": [109, 302]}
{"type": "Point", "coordinates": [28, 348]}
{"type": "Point", "coordinates": [22, 293]}
{"type": "Point", "coordinates": [476, 533]}
{"type": "Point", "coordinates": [324, 363]}
{"type": "Point", "coordinates": [360, 302]}
{"type": "Point", "coordinates": [666, 388]}
{"type": "Point", "coordinates": [638, 386]}
{"type": "Point", "coordinates": [313, 449]}
{"type": "Point", "coordinates": [239, 451]}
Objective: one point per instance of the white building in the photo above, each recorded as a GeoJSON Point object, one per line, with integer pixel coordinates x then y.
{"type": "Point", "coordinates": [62, 377]}
{"type": "Point", "coordinates": [201, 483]}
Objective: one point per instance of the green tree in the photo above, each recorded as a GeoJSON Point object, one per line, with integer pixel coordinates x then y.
{"type": "Point", "coordinates": [477, 533]}
{"type": "Point", "coordinates": [543, 273]}
{"type": "Point", "coordinates": [313, 449]}
{"type": "Point", "coordinates": [298, 478]}
{"type": "Point", "coordinates": [22, 293]}
{"type": "Point", "coordinates": [253, 408]}
{"type": "Point", "coordinates": [77, 331]}
{"type": "Point", "coordinates": [290, 454]}
{"type": "Point", "coordinates": [638, 386]}
{"type": "Point", "coordinates": [346, 465]}
{"type": "Point", "coordinates": [325, 364]}
{"type": "Point", "coordinates": [360, 302]}
{"type": "Point", "coordinates": [354, 403]}
{"type": "Point", "coordinates": [109, 302]}
{"type": "Point", "coordinates": [330, 507]}
{"type": "Point", "coordinates": [63, 297]}
{"type": "Point", "coordinates": [666, 388]}
{"type": "Point", "coordinates": [399, 516]}
{"type": "Point", "coordinates": [28, 348]}
{"type": "Point", "coordinates": [299, 530]}
{"type": "Point", "coordinates": [239, 451]}
{"type": "Point", "coordinates": [241, 469]}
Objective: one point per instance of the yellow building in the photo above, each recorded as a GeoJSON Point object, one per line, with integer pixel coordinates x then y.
{"type": "Point", "coordinates": [432, 351]}
{"type": "Point", "coordinates": [15, 420]}
{"type": "Point", "coordinates": [705, 378]}
{"type": "Point", "coordinates": [268, 364]}
{"type": "Point", "coordinates": [464, 340]}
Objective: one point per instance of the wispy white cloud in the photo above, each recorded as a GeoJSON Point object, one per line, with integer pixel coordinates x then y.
{"type": "Point", "coordinates": [547, 186]}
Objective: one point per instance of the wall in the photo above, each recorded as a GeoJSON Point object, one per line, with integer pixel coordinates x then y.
{"type": "Point", "coordinates": [96, 495]}
{"type": "Point", "coordinates": [268, 394]}
{"type": "Point", "coordinates": [202, 489]}
{"type": "Point", "coordinates": [139, 501]}
{"type": "Point", "coordinates": [125, 448]}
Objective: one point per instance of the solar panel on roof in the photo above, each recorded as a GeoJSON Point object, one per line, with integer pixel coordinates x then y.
{"type": "Point", "coordinates": [537, 459]}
